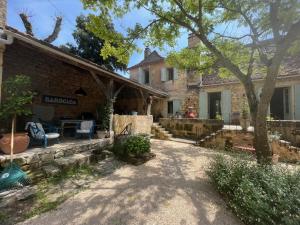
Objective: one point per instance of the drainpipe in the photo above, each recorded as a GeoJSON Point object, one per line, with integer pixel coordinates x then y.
{"type": "Point", "coordinates": [4, 40]}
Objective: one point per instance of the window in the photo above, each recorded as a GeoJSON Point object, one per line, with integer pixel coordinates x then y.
{"type": "Point", "coordinates": [170, 107]}
{"type": "Point", "coordinates": [170, 73]}
{"type": "Point", "coordinates": [146, 77]}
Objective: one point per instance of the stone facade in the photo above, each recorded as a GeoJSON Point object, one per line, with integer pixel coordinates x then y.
{"type": "Point", "coordinates": [139, 124]}
{"type": "Point", "coordinates": [3, 10]}
{"type": "Point", "coordinates": [177, 89]}
{"type": "Point", "coordinates": [190, 128]}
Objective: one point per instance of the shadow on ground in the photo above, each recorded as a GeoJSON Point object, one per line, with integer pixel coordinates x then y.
{"type": "Point", "coordinates": [171, 189]}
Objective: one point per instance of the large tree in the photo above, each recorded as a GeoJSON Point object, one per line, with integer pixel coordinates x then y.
{"type": "Point", "coordinates": [88, 46]}
{"type": "Point", "coordinates": [268, 29]}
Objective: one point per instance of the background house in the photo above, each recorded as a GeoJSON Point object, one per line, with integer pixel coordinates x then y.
{"type": "Point", "coordinates": [210, 95]}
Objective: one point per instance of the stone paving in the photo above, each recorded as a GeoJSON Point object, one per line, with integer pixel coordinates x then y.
{"type": "Point", "coordinates": [171, 189]}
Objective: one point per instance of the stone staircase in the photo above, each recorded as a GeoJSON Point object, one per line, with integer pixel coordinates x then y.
{"type": "Point", "coordinates": [159, 132]}
{"type": "Point", "coordinates": [78, 159]}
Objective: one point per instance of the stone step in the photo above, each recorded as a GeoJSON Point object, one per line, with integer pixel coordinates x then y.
{"type": "Point", "coordinates": [181, 140]}
{"type": "Point", "coordinates": [73, 160]}
{"type": "Point", "coordinates": [50, 170]}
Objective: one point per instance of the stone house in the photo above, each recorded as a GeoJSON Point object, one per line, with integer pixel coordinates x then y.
{"type": "Point", "coordinates": [211, 95]}
{"type": "Point", "coordinates": [181, 89]}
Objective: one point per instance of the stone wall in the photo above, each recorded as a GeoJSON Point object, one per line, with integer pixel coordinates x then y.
{"type": "Point", "coordinates": [51, 76]}
{"type": "Point", "coordinates": [289, 129]}
{"type": "Point", "coordinates": [190, 128]}
{"type": "Point", "coordinates": [140, 124]}
{"type": "Point", "coordinates": [34, 159]}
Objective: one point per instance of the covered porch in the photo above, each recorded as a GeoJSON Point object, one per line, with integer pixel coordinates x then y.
{"type": "Point", "coordinates": [70, 90]}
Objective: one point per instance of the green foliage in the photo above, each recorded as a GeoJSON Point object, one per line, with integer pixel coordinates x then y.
{"type": "Point", "coordinates": [258, 194]}
{"type": "Point", "coordinates": [89, 46]}
{"type": "Point", "coordinates": [104, 112]}
{"type": "Point", "coordinates": [169, 18]}
{"type": "Point", "coordinates": [135, 145]}
{"type": "Point", "coordinates": [17, 95]}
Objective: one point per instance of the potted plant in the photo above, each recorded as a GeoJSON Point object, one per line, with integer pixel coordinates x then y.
{"type": "Point", "coordinates": [17, 95]}
{"type": "Point", "coordinates": [245, 116]}
{"type": "Point", "coordinates": [103, 115]}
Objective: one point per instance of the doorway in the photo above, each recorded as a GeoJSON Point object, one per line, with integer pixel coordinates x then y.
{"type": "Point", "coordinates": [280, 104]}
{"type": "Point", "coordinates": [214, 104]}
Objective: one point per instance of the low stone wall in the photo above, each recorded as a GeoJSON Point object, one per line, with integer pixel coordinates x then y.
{"type": "Point", "coordinates": [289, 129]}
{"type": "Point", "coordinates": [191, 128]}
{"type": "Point", "coordinates": [140, 124]}
{"type": "Point", "coordinates": [34, 159]}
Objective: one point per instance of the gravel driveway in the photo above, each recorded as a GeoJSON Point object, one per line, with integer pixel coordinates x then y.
{"type": "Point", "coordinates": [170, 189]}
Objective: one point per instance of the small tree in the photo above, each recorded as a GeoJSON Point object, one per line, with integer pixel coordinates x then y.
{"type": "Point", "coordinates": [17, 95]}
{"type": "Point", "coordinates": [88, 46]}
{"type": "Point", "coordinates": [266, 24]}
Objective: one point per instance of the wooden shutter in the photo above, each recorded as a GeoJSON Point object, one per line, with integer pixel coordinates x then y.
{"type": "Point", "coordinates": [141, 77]}
{"type": "Point", "coordinates": [176, 106]}
{"type": "Point", "coordinates": [175, 74]}
{"type": "Point", "coordinates": [203, 110]}
{"type": "Point", "coordinates": [297, 101]}
{"type": "Point", "coordinates": [163, 74]}
{"type": "Point", "coordinates": [226, 105]}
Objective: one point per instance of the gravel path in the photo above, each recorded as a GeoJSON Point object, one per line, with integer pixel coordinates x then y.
{"type": "Point", "coordinates": [170, 189]}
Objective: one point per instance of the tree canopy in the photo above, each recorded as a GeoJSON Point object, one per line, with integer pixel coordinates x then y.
{"type": "Point", "coordinates": [89, 46]}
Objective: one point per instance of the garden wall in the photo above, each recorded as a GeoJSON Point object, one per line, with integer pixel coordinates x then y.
{"type": "Point", "coordinates": [140, 124]}
{"type": "Point", "coordinates": [289, 129]}
{"type": "Point", "coordinates": [191, 128]}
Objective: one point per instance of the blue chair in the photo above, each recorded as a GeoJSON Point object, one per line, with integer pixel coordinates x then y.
{"type": "Point", "coordinates": [38, 135]}
{"type": "Point", "coordinates": [85, 128]}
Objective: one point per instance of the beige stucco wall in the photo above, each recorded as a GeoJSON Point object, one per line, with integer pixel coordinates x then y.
{"type": "Point", "coordinates": [140, 124]}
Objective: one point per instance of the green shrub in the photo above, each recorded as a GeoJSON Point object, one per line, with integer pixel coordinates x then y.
{"type": "Point", "coordinates": [135, 145]}
{"type": "Point", "coordinates": [258, 194]}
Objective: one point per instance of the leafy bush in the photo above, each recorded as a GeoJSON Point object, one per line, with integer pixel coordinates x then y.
{"type": "Point", "coordinates": [258, 194]}
{"type": "Point", "coordinates": [135, 145]}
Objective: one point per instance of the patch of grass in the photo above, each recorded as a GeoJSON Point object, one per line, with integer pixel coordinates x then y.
{"type": "Point", "coordinates": [73, 172]}
{"type": "Point", "coordinates": [44, 205]}
{"type": "Point", "coordinates": [258, 194]}
{"type": "Point", "coordinates": [3, 218]}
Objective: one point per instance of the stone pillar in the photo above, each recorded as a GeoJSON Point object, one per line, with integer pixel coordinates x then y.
{"type": "Point", "coordinates": [149, 104]}
{"type": "Point", "coordinates": [3, 9]}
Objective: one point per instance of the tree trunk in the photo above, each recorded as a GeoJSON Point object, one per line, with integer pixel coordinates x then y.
{"type": "Point", "coordinates": [261, 142]}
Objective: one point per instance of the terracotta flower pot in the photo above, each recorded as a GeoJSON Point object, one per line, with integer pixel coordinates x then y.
{"type": "Point", "coordinates": [21, 142]}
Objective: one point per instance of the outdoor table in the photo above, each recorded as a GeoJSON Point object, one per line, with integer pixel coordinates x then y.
{"type": "Point", "coordinates": [63, 122]}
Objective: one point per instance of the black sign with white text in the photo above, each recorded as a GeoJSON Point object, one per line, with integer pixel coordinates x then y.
{"type": "Point", "coordinates": [49, 99]}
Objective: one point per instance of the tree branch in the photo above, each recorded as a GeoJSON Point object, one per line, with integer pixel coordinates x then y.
{"type": "Point", "coordinates": [52, 37]}
{"type": "Point", "coordinates": [26, 23]}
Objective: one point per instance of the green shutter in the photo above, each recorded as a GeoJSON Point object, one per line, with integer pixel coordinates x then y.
{"type": "Point", "coordinates": [226, 105]}
{"type": "Point", "coordinates": [175, 74]}
{"type": "Point", "coordinates": [203, 110]}
{"type": "Point", "coordinates": [141, 77]}
{"type": "Point", "coordinates": [163, 74]}
{"type": "Point", "coordinates": [176, 106]}
{"type": "Point", "coordinates": [297, 101]}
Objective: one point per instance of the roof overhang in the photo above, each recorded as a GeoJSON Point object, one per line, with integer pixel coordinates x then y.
{"type": "Point", "coordinates": [80, 62]}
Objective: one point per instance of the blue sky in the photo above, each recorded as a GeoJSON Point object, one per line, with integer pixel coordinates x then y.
{"type": "Point", "coordinates": [42, 15]}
